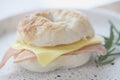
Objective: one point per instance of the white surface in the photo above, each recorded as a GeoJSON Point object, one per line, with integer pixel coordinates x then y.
{"type": "Point", "coordinates": [10, 7]}
{"type": "Point", "coordinates": [99, 20]}
{"type": "Point", "coordinates": [83, 4]}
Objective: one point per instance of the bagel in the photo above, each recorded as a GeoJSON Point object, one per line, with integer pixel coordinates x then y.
{"type": "Point", "coordinates": [54, 39]}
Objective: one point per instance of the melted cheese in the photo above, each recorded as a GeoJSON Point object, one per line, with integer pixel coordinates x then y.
{"type": "Point", "coordinates": [46, 55]}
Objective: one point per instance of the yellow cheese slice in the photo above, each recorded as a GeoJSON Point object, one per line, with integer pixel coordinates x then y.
{"type": "Point", "coordinates": [46, 55]}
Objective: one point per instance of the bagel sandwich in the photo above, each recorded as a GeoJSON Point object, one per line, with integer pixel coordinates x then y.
{"type": "Point", "coordinates": [54, 39]}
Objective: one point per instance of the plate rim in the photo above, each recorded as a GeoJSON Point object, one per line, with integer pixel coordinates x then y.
{"type": "Point", "coordinates": [96, 10]}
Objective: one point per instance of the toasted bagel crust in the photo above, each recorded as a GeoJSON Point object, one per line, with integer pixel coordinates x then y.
{"type": "Point", "coordinates": [54, 27]}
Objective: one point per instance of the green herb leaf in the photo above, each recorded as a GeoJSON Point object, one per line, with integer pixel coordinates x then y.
{"type": "Point", "coordinates": [113, 54]}
{"type": "Point", "coordinates": [112, 25]}
{"type": "Point", "coordinates": [118, 37]}
{"type": "Point", "coordinates": [111, 50]}
{"type": "Point", "coordinates": [110, 43]}
{"type": "Point", "coordinates": [105, 38]}
{"type": "Point", "coordinates": [118, 44]}
{"type": "Point", "coordinates": [102, 58]}
{"type": "Point", "coordinates": [107, 62]}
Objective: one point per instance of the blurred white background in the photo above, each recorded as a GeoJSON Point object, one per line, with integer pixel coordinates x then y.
{"type": "Point", "coordinates": [12, 7]}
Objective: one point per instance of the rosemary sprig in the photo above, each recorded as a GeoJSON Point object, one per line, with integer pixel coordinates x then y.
{"type": "Point", "coordinates": [110, 44]}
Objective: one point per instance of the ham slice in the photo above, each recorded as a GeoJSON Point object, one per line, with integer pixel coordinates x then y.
{"type": "Point", "coordinates": [22, 55]}
{"type": "Point", "coordinates": [10, 52]}
{"type": "Point", "coordinates": [27, 55]}
{"type": "Point", "coordinates": [91, 49]}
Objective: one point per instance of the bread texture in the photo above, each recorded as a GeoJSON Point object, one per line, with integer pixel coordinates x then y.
{"type": "Point", "coordinates": [63, 62]}
{"type": "Point", "coordinates": [54, 27]}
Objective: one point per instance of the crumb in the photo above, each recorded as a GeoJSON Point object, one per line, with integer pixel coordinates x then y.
{"type": "Point", "coordinates": [95, 75]}
{"type": "Point", "coordinates": [58, 76]}
{"type": "Point", "coordinates": [112, 63]}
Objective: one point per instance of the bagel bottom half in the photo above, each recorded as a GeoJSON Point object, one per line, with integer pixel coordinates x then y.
{"type": "Point", "coordinates": [63, 62]}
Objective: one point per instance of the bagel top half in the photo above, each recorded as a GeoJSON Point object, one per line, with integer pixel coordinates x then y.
{"type": "Point", "coordinates": [54, 27]}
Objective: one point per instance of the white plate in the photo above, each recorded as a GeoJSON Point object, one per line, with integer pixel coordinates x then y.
{"type": "Point", "coordinates": [99, 20]}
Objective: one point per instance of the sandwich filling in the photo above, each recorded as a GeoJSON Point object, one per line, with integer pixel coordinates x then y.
{"type": "Point", "coordinates": [45, 55]}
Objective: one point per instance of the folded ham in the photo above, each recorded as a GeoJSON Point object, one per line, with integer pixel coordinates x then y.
{"type": "Point", "coordinates": [22, 55]}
